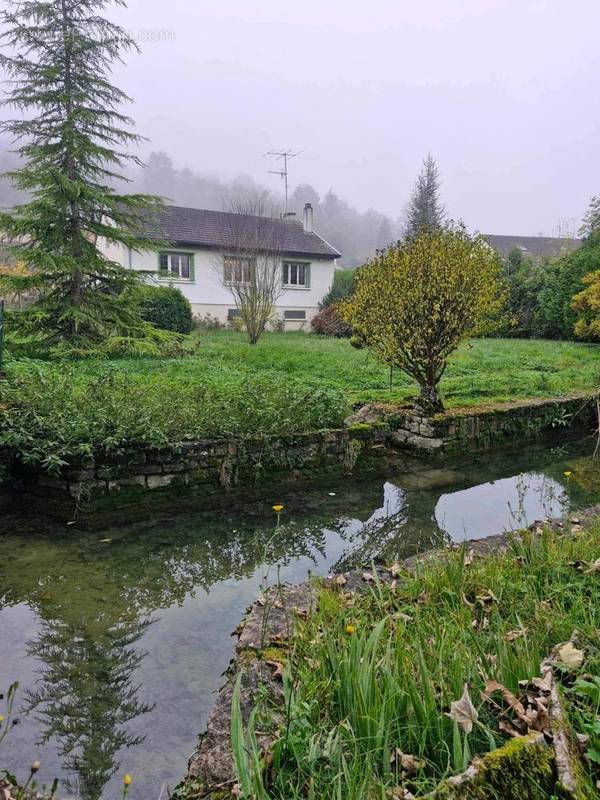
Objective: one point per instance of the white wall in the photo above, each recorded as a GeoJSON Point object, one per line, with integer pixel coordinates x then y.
{"type": "Point", "coordinates": [207, 294]}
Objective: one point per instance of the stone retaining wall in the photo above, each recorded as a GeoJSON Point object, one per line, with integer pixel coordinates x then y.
{"type": "Point", "coordinates": [206, 474]}
{"type": "Point", "coordinates": [460, 432]}
{"type": "Point", "coordinates": [6, 461]}
{"type": "Point", "coordinates": [201, 473]}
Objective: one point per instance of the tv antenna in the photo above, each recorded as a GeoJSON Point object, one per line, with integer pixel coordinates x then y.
{"type": "Point", "coordinates": [285, 156]}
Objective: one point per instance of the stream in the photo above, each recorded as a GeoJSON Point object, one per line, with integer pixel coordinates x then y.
{"type": "Point", "coordinates": [119, 637]}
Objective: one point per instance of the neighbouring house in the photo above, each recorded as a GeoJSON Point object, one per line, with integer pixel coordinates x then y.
{"type": "Point", "coordinates": [206, 252]}
{"type": "Point", "coordinates": [535, 247]}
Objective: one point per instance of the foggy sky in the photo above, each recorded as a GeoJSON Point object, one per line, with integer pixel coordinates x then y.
{"type": "Point", "coordinates": [504, 93]}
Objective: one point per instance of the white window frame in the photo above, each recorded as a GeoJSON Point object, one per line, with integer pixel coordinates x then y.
{"type": "Point", "coordinates": [289, 266]}
{"type": "Point", "coordinates": [168, 275]}
{"type": "Point", "coordinates": [241, 263]}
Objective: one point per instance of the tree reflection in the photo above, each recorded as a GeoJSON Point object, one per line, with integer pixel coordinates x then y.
{"type": "Point", "coordinates": [86, 696]}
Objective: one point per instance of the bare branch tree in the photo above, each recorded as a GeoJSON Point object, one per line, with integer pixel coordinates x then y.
{"type": "Point", "coordinates": [251, 268]}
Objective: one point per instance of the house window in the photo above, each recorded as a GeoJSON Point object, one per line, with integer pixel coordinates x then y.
{"type": "Point", "coordinates": [296, 274]}
{"type": "Point", "coordinates": [176, 266]}
{"type": "Point", "coordinates": [237, 270]}
{"type": "Point", "coordinates": [293, 314]}
{"type": "Point", "coordinates": [232, 313]}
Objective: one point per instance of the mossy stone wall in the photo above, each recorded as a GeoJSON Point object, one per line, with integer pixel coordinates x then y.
{"type": "Point", "coordinates": [460, 432]}
{"type": "Point", "coordinates": [6, 462]}
{"type": "Point", "coordinates": [201, 474]}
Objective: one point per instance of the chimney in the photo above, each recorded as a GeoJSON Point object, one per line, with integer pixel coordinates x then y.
{"type": "Point", "coordinates": [308, 218]}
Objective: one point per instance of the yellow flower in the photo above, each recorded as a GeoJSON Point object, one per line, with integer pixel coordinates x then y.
{"type": "Point", "coordinates": [568, 473]}
{"type": "Point", "coordinates": [350, 629]}
{"type": "Point", "coordinates": [1, 719]}
{"type": "Point", "coordinates": [278, 508]}
{"type": "Point", "coordinates": [127, 779]}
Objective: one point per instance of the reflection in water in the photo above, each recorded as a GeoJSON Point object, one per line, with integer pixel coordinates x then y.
{"type": "Point", "coordinates": [119, 638]}
{"type": "Point", "coordinates": [85, 696]}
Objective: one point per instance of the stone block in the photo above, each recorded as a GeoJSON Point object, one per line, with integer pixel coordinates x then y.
{"type": "Point", "coordinates": [159, 481]}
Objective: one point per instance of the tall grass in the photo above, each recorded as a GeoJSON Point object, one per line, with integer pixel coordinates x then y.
{"type": "Point", "coordinates": [371, 678]}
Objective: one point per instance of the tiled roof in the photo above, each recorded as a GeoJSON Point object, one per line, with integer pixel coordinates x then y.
{"type": "Point", "coordinates": [534, 246]}
{"type": "Point", "coordinates": [223, 230]}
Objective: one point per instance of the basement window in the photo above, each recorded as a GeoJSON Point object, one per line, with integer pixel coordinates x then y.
{"type": "Point", "coordinates": [294, 314]}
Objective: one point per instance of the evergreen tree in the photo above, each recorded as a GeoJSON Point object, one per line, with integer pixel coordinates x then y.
{"type": "Point", "coordinates": [591, 220]}
{"type": "Point", "coordinates": [425, 212]}
{"type": "Point", "coordinates": [74, 143]}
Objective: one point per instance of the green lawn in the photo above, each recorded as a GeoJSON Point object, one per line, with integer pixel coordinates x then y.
{"type": "Point", "coordinates": [52, 413]}
{"type": "Point", "coordinates": [483, 371]}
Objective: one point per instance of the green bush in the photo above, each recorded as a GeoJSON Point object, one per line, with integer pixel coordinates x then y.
{"type": "Point", "coordinates": [54, 417]}
{"type": "Point", "coordinates": [562, 281]}
{"type": "Point", "coordinates": [342, 286]}
{"type": "Point", "coordinates": [166, 308]}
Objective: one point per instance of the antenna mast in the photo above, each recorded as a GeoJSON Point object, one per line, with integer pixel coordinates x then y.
{"type": "Point", "coordinates": [283, 155]}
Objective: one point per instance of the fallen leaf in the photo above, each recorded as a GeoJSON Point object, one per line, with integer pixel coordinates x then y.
{"type": "Point", "coordinates": [277, 669]}
{"type": "Point", "coordinates": [395, 570]}
{"type": "Point", "coordinates": [509, 698]}
{"type": "Point", "coordinates": [368, 578]}
{"type": "Point", "coordinates": [404, 617]}
{"type": "Point", "coordinates": [515, 634]}
{"type": "Point", "coordinates": [463, 712]}
{"type": "Point", "coordinates": [468, 559]}
{"type": "Point", "coordinates": [340, 580]}
{"type": "Point", "coordinates": [569, 656]}
{"type": "Point", "coordinates": [409, 764]}
{"type": "Point", "coordinates": [593, 568]}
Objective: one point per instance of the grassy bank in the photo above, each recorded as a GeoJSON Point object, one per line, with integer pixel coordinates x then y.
{"type": "Point", "coordinates": [482, 371]}
{"type": "Point", "coordinates": [53, 412]}
{"type": "Point", "coordinates": [373, 682]}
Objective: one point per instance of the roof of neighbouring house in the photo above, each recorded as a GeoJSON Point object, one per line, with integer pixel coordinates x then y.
{"type": "Point", "coordinates": [534, 246]}
{"type": "Point", "coordinates": [223, 230]}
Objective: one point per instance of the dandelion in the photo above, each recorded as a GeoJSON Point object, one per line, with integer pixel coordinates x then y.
{"type": "Point", "coordinates": [35, 766]}
{"type": "Point", "coordinates": [568, 473]}
{"type": "Point", "coordinates": [350, 629]}
{"type": "Point", "coordinates": [127, 780]}
{"type": "Point", "coordinates": [278, 508]}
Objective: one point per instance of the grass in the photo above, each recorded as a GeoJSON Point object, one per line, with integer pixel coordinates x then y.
{"type": "Point", "coordinates": [493, 370]}
{"type": "Point", "coordinates": [482, 371]}
{"type": "Point", "coordinates": [53, 412]}
{"type": "Point", "coordinates": [368, 678]}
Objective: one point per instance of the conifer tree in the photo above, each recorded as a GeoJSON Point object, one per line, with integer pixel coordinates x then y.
{"type": "Point", "coordinates": [74, 142]}
{"type": "Point", "coordinates": [425, 212]}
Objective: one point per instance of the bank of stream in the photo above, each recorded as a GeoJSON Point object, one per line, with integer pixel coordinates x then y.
{"type": "Point", "coordinates": [119, 637]}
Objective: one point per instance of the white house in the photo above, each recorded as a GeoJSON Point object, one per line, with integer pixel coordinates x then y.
{"type": "Point", "coordinates": [203, 255]}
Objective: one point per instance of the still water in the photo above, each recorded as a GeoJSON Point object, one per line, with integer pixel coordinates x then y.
{"type": "Point", "coordinates": [118, 638]}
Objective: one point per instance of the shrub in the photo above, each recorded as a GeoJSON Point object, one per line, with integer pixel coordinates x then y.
{"type": "Point", "coordinates": [209, 323]}
{"type": "Point", "coordinates": [342, 286]}
{"type": "Point", "coordinates": [166, 308]}
{"type": "Point", "coordinates": [328, 322]}
{"type": "Point", "coordinates": [414, 303]}
{"type": "Point", "coordinates": [52, 417]}
{"type": "Point", "coordinates": [562, 281]}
